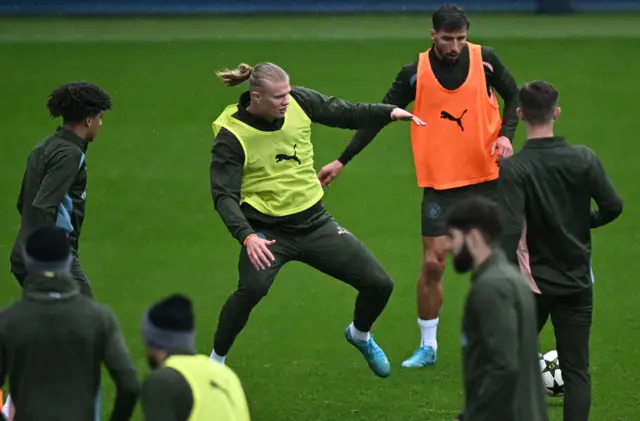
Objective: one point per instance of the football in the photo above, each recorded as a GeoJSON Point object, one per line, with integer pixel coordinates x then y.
{"type": "Point", "coordinates": [551, 374]}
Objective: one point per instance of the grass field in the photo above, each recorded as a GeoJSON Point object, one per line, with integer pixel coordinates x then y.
{"type": "Point", "coordinates": [151, 229]}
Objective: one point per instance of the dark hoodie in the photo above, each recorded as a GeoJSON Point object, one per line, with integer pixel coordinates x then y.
{"type": "Point", "coordinates": [53, 343]}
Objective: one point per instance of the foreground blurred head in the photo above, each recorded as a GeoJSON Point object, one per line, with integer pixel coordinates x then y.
{"type": "Point", "coordinates": [167, 328]}
{"type": "Point", "coordinates": [449, 33]}
{"type": "Point", "coordinates": [268, 86]}
{"type": "Point", "coordinates": [47, 252]}
{"type": "Point", "coordinates": [474, 229]}
{"type": "Point", "coordinates": [81, 106]}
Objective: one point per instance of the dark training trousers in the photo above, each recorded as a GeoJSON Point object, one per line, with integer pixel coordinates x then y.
{"type": "Point", "coordinates": [329, 249]}
{"type": "Point", "coordinates": [77, 273]}
{"type": "Point", "coordinates": [571, 317]}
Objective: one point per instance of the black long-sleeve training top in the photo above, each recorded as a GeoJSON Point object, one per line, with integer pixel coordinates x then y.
{"type": "Point", "coordinates": [549, 185]}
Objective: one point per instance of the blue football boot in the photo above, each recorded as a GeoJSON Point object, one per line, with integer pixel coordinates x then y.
{"type": "Point", "coordinates": [425, 355]}
{"type": "Point", "coordinates": [374, 355]}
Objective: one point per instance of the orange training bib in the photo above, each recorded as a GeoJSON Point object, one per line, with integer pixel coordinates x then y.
{"type": "Point", "coordinates": [454, 148]}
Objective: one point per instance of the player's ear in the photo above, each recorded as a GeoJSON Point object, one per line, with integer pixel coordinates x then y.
{"type": "Point", "coordinates": [433, 35]}
{"type": "Point", "coordinates": [519, 113]}
{"type": "Point", "coordinates": [474, 237]}
{"type": "Point", "coordinates": [556, 113]}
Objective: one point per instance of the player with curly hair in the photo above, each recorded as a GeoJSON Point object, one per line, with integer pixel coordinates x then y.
{"type": "Point", "coordinates": [54, 184]}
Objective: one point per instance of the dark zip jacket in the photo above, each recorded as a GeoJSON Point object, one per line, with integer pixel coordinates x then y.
{"type": "Point", "coordinates": [53, 344]}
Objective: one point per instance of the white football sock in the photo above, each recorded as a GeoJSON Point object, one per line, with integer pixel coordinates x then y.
{"type": "Point", "coordinates": [217, 358]}
{"type": "Point", "coordinates": [5, 408]}
{"type": "Point", "coordinates": [428, 330]}
{"type": "Point", "coordinates": [357, 335]}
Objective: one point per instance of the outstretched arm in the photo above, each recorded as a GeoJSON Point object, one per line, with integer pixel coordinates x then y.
{"type": "Point", "coordinates": [401, 94]}
{"type": "Point", "coordinates": [336, 112]}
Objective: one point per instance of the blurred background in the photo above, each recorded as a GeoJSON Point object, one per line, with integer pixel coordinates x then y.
{"type": "Point", "coordinates": [305, 6]}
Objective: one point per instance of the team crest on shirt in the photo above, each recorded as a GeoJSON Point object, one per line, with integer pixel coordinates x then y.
{"type": "Point", "coordinates": [433, 210]}
{"type": "Point", "coordinates": [341, 230]}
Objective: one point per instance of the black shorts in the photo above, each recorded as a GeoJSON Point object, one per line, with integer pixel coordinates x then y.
{"type": "Point", "coordinates": [437, 203]}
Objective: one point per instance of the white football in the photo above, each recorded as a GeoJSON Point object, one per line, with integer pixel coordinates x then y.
{"type": "Point", "coordinates": [551, 374]}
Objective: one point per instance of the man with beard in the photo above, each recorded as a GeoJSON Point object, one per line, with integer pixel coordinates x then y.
{"type": "Point", "coordinates": [185, 385]}
{"type": "Point", "coordinates": [499, 332]}
{"type": "Point", "coordinates": [454, 84]}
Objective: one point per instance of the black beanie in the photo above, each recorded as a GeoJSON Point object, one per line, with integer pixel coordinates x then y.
{"type": "Point", "coordinates": [48, 244]}
{"type": "Point", "coordinates": [169, 324]}
{"type": "Point", "coordinates": [47, 251]}
{"type": "Point", "coordinates": [173, 313]}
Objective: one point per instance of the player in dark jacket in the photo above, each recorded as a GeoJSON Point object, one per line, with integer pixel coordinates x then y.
{"type": "Point", "coordinates": [545, 195]}
{"type": "Point", "coordinates": [54, 184]}
{"type": "Point", "coordinates": [54, 342]}
{"type": "Point", "coordinates": [500, 363]}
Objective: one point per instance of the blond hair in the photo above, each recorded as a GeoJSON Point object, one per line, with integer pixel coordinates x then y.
{"type": "Point", "coordinates": [257, 75]}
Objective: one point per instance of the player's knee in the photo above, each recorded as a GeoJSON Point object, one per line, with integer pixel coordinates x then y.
{"type": "Point", "coordinates": [433, 266]}
{"type": "Point", "coordinates": [381, 284]}
{"type": "Point", "coordinates": [254, 291]}
{"type": "Point", "coordinates": [385, 286]}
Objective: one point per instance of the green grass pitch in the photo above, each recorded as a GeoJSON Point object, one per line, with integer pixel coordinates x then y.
{"type": "Point", "coordinates": [151, 229]}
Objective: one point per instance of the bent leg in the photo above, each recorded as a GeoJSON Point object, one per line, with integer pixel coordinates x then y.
{"type": "Point", "coordinates": [338, 253]}
{"type": "Point", "coordinates": [253, 285]}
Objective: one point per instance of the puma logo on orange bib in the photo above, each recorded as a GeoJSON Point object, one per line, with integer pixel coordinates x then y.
{"type": "Point", "coordinates": [447, 116]}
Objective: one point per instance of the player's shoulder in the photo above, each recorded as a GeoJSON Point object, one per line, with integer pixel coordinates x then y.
{"type": "Point", "coordinates": [490, 56]}
{"type": "Point", "coordinates": [299, 90]}
{"type": "Point", "coordinates": [101, 314]}
{"type": "Point", "coordinates": [408, 70]}
{"type": "Point", "coordinates": [164, 378]}
{"type": "Point", "coordinates": [306, 97]}
{"type": "Point", "coordinates": [514, 164]}
{"type": "Point", "coordinates": [410, 67]}
{"type": "Point", "coordinates": [488, 53]}
{"type": "Point", "coordinates": [56, 147]}
{"type": "Point", "coordinates": [497, 277]}
{"type": "Point", "coordinates": [583, 150]}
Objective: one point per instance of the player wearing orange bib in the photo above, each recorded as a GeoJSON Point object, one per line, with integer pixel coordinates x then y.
{"type": "Point", "coordinates": [453, 85]}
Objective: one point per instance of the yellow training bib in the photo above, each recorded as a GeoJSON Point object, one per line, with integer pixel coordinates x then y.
{"type": "Point", "coordinates": [217, 392]}
{"type": "Point", "coordinates": [278, 178]}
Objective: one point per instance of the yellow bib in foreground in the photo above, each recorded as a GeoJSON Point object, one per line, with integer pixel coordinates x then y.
{"type": "Point", "coordinates": [217, 391]}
